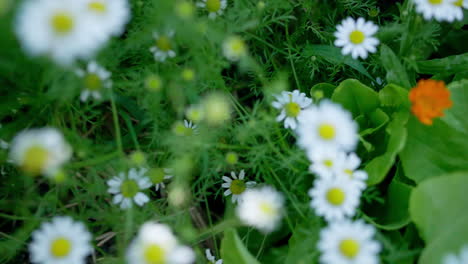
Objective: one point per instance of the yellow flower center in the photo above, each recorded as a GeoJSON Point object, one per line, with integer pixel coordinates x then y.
{"type": "Point", "coordinates": [349, 172]}
{"type": "Point", "coordinates": [98, 7]}
{"type": "Point", "coordinates": [335, 196]}
{"type": "Point", "coordinates": [163, 43]}
{"type": "Point", "coordinates": [292, 109]}
{"type": "Point", "coordinates": [237, 186]}
{"type": "Point", "coordinates": [357, 37]}
{"type": "Point", "coordinates": [327, 131]}
{"type": "Point", "coordinates": [213, 5]}
{"type": "Point", "coordinates": [267, 209]}
{"type": "Point", "coordinates": [92, 82]}
{"type": "Point", "coordinates": [62, 23]}
{"type": "Point", "coordinates": [328, 163]}
{"type": "Point", "coordinates": [435, 2]}
{"type": "Point", "coordinates": [349, 248]}
{"type": "Point", "coordinates": [154, 254]}
{"type": "Point", "coordinates": [60, 247]}
{"type": "Point", "coordinates": [129, 188]}
{"type": "Point", "coordinates": [35, 159]}
{"type": "Point", "coordinates": [156, 175]}
{"type": "Point", "coordinates": [458, 3]}
{"type": "Point", "coordinates": [237, 46]}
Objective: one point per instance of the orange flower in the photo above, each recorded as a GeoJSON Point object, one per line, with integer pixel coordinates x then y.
{"type": "Point", "coordinates": [428, 99]}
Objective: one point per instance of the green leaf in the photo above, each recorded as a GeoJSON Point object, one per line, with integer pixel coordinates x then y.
{"type": "Point", "coordinates": [444, 143]}
{"type": "Point", "coordinates": [333, 55]}
{"type": "Point", "coordinates": [233, 250]}
{"type": "Point", "coordinates": [378, 119]}
{"type": "Point", "coordinates": [450, 64]}
{"type": "Point", "coordinates": [396, 73]}
{"type": "Point", "coordinates": [438, 208]}
{"type": "Point", "coordinates": [302, 244]}
{"type": "Point", "coordinates": [378, 168]}
{"type": "Point", "coordinates": [356, 97]}
{"type": "Point", "coordinates": [395, 96]}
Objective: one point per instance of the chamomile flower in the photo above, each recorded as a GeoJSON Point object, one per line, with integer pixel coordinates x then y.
{"type": "Point", "coordinates": [234, 48]}
{"type": "Point", "coordinates": [327, 126]}
{"type": "Point", "coordinates": [441, 10]}
{"type": "Point", "coordinates": [155, 243]}
{"type": "Point", "coordinates": [212, 258]}
{"type": "Point", "coordinates": [191, 128]}
{"type": "Point", "coordinates": [58, 29]}
{"type": "Point", "coordinates": [60, 241]}
{"type": "Point", "coordinates": [214, 7]}
{"type": "Point", "coordinates": [236, 185]}
{"type": "Point", "coordinates": [457, 259]}
{"type": "Point", "coordinates": [349, 168]}
{"type": "Point", "coordinates": [291, 104]}
{"type": "Point", "coordinates": [127, 188]}
{"type": "Point", "coordinates": [335, 198]}
{"type": "Point", "coordinates": [261, 208]}
{"type": "Point", "coordinates": [325, 161]}
{"type": "Point", "coordinates": [163, 47]}
{"type": "Point", "coordinates": [347, 242]}
{"type": "Point", "coordinates": [158, 176]}
{"type": "Point", "coordinates": [356, 37]}
{"type": "Point", "coordinates": [109, 16]}
{"type": "Point", "coordinates": [40, 151]}
{"type": "Point", "coordinates": [95, 79]}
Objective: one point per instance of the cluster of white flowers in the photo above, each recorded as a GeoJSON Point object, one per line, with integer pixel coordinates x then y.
{"type": "Point", "coordinates": [441, 10]}
{"type": "Point", "coordinates": [67, 30]}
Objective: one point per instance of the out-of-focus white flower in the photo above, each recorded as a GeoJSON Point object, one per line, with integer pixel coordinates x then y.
{"type": "Point", "coordinates": [441, 10]}
{"type": "Point", "coordinates": [236, 185]}
{"type": "Point", "coordinates": [349, 168]}
{"type": "Point", "coordinates": [325, 161]}
{"type": "Point", "coordinates": [457, 259]}
{"type": "Point", "coordinates": [95, 78]}
{"type": "Point", "coordinates": [127, 188]}
{"type": "Point", "coordinates": [212, 258]}
{"type": "Point", "coordinates": [163, 47]}
{"type": "Point", "coordinates": [291, 104]}
{"type": "Point", "coordinates": [108, 16]}
{"type": "Point", "coordinates": [158, 175]}
{"type": "Point", "coordinates": [356, 37]}
{"type": "Point", "coordinates": [234, 48]}
{"type": "Point", "coordinates": [214, 7]}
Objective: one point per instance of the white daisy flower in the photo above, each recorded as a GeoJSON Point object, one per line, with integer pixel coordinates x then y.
{"type": "Point", "coordinates": [212, 258]}
{"type": "Point", "coordinates": [349, 168]}
{"type": "Point", "coordinates": [261, 208]}
{"type": "Point", "coordinates": [4, 144]}
{"type": "Point", "coordinates": [190, 128]}
{"type": "Point", "coordinates": [40, 150]}
{"type": "Point", "coordinates": [214, 7]}
{"type": "Point", "coordinates": [335, 198]}
{"type": "Point", "coordinates": [108, 16]}
{"type": "Point", "coordinates": [327, 126]}
{"type": "Point", "coordinates": [356, 37]}
{"type": "Point", "coordinates": [95, 78]}
{"type": "Point", "coordinates": [347, 242]}
{"type": "Point", "coordinates": [236, 185]}
{"type": "Point", "coordinates": [454, 259]}
{"type": "Point", "coordinates": [127, 188]}
{"type": "Point", "coordinates": [441, 10]}
{"type": "Point", "coordinates": [234, 48]}
{"type": "Point", "coordinates": [163, 47]}
{"type": "Point", "coordinates": [158, 176]}
{"type": "Point", "coordinates": [291, 104]}
{"type": "Point", "coordinates": [58, 29]}
{"type": "Point", "coordinates": [456, 10]}
{"type": "Point", "coordinates": [60, 241]}
{"type": "Point", "coordinates": [155, 243]}
{"type": "Point", "coordinates": [325, 161]}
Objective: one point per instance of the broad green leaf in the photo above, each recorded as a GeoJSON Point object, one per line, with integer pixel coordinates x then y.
{"type": "Point", "coordinates": [377, 119]}
{"type": "Point", "coordinates": [451, 64]}
{"type": "Point", "coordinates": [394, 96]}
{"type": "Point", "coordinates": [396, 73]}
{"type": "Point", "coordinates": [356, 97]}
{"type": "Point", "coordinates": [444, 144]}
{"type": "Point", "coordinates": [302, 244]}
{"type": "Point", "coordinates": [325, 88]}
{"type": "Point", "coordinates": [233, 250]}
{"type": "Point", "coordinates": [438, 208]}
{"type": "Point", "coordinates": [333, 55]}
{"type": "Point", "coordinates": [378, 168]}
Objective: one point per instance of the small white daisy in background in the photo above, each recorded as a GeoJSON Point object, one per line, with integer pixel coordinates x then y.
{"type": "Point", "coordinates": [195, 113]}
{"type": "Point", "coordinates": [158, 175]}
{"type": "Point", "coordinates": [327, 126]}
{"type": "Point", "coordinates": [58, 29]}
{"type": "Point", "coordinates": [60, 241]}
{"type": "Point", "coordinates": [356, 37]}
{"type": "Point", "coordinates": [347, 242]}
{"type": "Point", "coordinates": [191, 128]}
{"type": "Point", "coordinates": [236, 185]}
{"type": "Point", "coordinates": [291, 104]}
{"type": "Point", "coordinates": [349, 168]}
{"type": "Point", "coordinates": [95, 79]}
{"type": "Point", "coordinates": [234, 48]}
{"type": "Point", "coordinates": [40, 150]}
{"type": "Point", "coordinates": [441, 10]}
{"type": "Point", "coordinates": [261, 208]}
{"type": "Point", "coordinates": [155, 243]}
{"type": "Point", "coordinates": [127, 188]}
{"type": "Point", "coordinates": [108, 16]}
{"type": "Point", "coordinates": [457, 259]}
{"type": "Point", "coordinates": [163, 47]}
{"type": "Point", "coordinates": [325, 161]}
{"type": "Point", "coordinates": [212, 258]}
{"type": "Point", "coordinates": [214, 7]}
{"type": "Point", "coordinates": [335, 198]}
{"type": "Point", "coordinates": [456, 10]}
